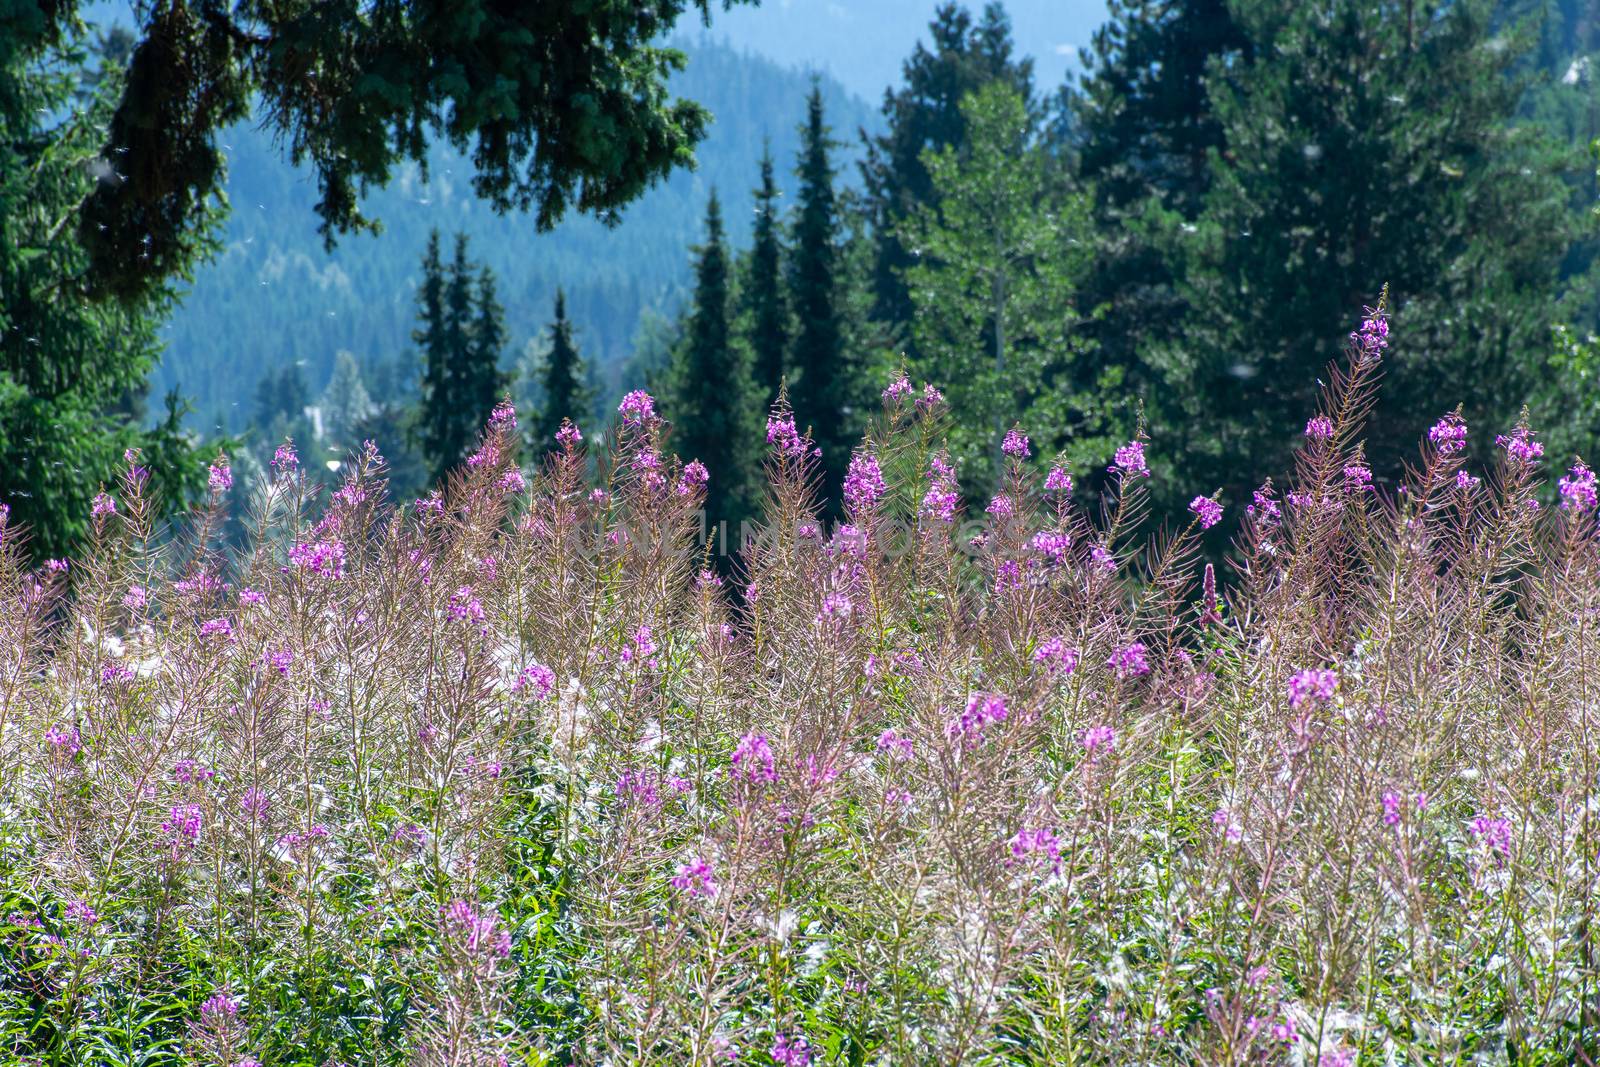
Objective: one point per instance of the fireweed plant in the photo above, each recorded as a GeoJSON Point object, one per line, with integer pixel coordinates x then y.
{"type": "Point", "coordinates": [508, 775]}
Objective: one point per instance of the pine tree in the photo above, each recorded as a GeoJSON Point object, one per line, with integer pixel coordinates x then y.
{"type": "Point", "coordinates": [434, 422]}
{"type": "Point", "coordinates": [711, 402]}
{"type": "Point", "coordinates": [765, 304]}
{"type": "Point", "coordinates": [462, 334]}
{"type": "Point", "coordinates": [821, 386]}
{"type": "Point", "coordinates": [925, 113]}
{"type": "Point", "coordinates": [565, 380]}
{"type": "Point", "coordinates": [485, 383]}
{"type": "Point", "coordinates": [345, 403]}
{"type": "Point", "coordinates": [1364, 144]}
{"type": "Point", "coordinates": [71, 371]}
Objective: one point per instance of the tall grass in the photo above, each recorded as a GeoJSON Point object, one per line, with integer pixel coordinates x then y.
{"type": "Point", "coordinates": [510, 775]}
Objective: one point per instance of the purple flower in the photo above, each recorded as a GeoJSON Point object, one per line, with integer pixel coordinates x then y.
{"type": "Point", "coordinates": [218, 628]}
{"type": "Point", "coordinates": [252, 597]}
{"type": "Point", "coordinates": [943, 495]}
{"type": "Point", "coordinates": [930, 399]}
{"type": "Point", "coordinates": [637, 408]}
{"type": "Point", "coordinates": [983, 709]}
{"type": "Point", "coordinates": [1465, 481]}
{"type": "Point", "coordinates": [1051, 543]}
{"type": "Point", "coordinates": [1263, 508]}
{"type": "Point", "coordinates": [538, 677]}
{"type": "Point", "coordinates": [1578, 492]}
{"type": "Point", "coordinates": [462, 923]}
{"type": "Point", "coordinates": [102, 506]}
{"type": "Point", "coordinates": [79, 911]}
{"type": "Point", "coordinates": [325, 559]}
{"type": "Point", "coordinates": [633, 789]}
{"type": "Point", "coordinates": [218, 1010]}
{"type": "Point", "coordinates": [464, 606]}
{"type": "Point", "coordinates": [1319, 428]}
{"type": "Point", "coordinates": [1058, 481]}
{"type": "Point", "coordinates": [512, 482]}
{"type": "Point", "coordinates": [1449, 434]}
{"type": "Point", "coordinates": [897, 390]}
{"type": "Point", "coordinates": [1495, 834]}
{"type": "Point", "coordinates": [1016, 445]}
{"type": "Point", "coordinates": [1317, 685]}
{"type": "Point", "coordinates": [1056, 657]}
{"type": "Point", "coordinates": [182, 825]}
{"type": "Point", "coordinates": [1040, 843]}
{"type": "Point", "coordinates": [1097, 741]}
{"type": "Point", "coordinates": [1130, 660]}
{"type": "Point", "coordinates": [1129, 460]}
{"type": "Point", "coordinates": [1001, 507]}
{"type": "Point", "coordinates": [898, 748]}
{"type": "Point", "coordinates": [1373, 337]}
{"type": "Point", "coordinates": [503, 417]}
{"type": "Point", "coordinates": [694, 476]}
{"type": "Point", "coordinates": [836, 607]}
{"type": "Point", "coordinates": [57, 566]}
{"type": "Point", "coordinates": [282, 660]}
{"type": "Point", "coordinates": [1102, 559]}
{"type": "Point", "coordinates": [863, 483]}
{"type": "Point", "coordinates": [286, 460]}
{"type": "Point", "coordinates": [696, 877]}
{"type": "Point", "coordinates": [782, 435]}
{"type": "Point", "coordinates": [752, 760]}
{"type": "Point", "coordinates": [220, 476]}
{"type": "Point", "coordinates": [791, 1051]}
{"type": "Point", "coordinates": [1208, 511]}
{"type": "Point", "coordinates": [64, 740]}
{"type": "Point", "coordinates": [1520, 445]}
{"type": "Point", "coordinates": [255, 803]}
{"type": "Point", "coordinates": [188, 772]}
{"type": "Point", "coordinates": [569, 435]}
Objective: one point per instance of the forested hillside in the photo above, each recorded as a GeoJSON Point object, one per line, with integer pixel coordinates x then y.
{"type": "Point", "coordinates": [273, 297]}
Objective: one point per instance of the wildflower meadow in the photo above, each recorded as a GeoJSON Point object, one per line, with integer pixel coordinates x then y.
{"type": "Point", "coordinates": [530, 771]}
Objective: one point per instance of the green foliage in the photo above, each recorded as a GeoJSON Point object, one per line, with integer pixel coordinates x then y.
{"type": "Point", "coordinates": [711, 399]}
{"type": "Point", "coordinates": [1263, 167]}
{"type": "Point", "coordinates": [994, 290]}
{"type": "Point", "coordinates": [925, 113]}
{"type": "Point", "coordinates": [461, 335]}
{"type": "Point", "coordinates": [818, 360]}
{"type": "Point", "coordinates": [72, 373]}
{"type": "Point", "coordinates": [565, 381]}
{"type": "Point", "coordinates": [765, 323]}
{"type": "Point", "coordinates": [562, 105]}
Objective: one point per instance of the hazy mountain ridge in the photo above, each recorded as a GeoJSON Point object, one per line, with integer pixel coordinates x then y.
{"type": "Point", "coordinates": [273, 295]}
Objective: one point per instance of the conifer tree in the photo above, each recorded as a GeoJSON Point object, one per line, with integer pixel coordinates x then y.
{"type": "Point", "coordinates": [462, 334]}
{"type": "Point", "coordinates": [821, 387]}
{"type": "Point", "coordinates": [765, 303]}
{"type": "Point", "coordinates": [711, 402]}
{"type": "Point", "coordinates": [431, 337]}
{"type": "Point", "coordinates": [565, 380]}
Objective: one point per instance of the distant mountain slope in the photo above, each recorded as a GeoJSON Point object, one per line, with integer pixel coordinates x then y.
{"type": "Point", "coordinates": [273, 296]}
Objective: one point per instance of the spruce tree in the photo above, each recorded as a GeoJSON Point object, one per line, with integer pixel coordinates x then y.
{"type": "Point", "coordinates": [925, 114]}
{"type": "Point", "coordinates": [431, 336]}
{"type": "Point", "coordinates": [711, 402]}
{"type": "Point", "coordinates": [565, 381]}
{"type": "Point", "coordinates": [820, 389]}
{"type": "Point", "coordinates": [1361, 145]}
{"type": "Point", "coordinates": [485, 384]}
{"type": "Point", "coordinates": [765, 304]}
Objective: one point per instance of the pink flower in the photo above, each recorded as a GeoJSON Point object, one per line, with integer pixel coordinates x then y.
{"type": "Point", "coordinates": [539, 678]}
{"type": "Point", "coordinates": [220, 476]}
{"type": "Point", "coordinates": [1449, 434]}
{"type": "Point", "coordinates": [791, 1051]}
{"type": "Point", "coordinates": [1058, 481]}
{"type": "Point", "coordinates": [696, 877]}
{"type": "Point", "coordinates": [569, 435]}
{"type": "Point", "coordinates": [1520, 445]}
{"type": "Point", "coordinates": [286, 460]}
{"type": "Point", "coordinates": [1130, 461]}
{"type": "Point", "coordinates": [1208, 511]}
{"type": "Point", "coordinates": [930, 400]}
{"type": "Point", "coordinates": [1312, 685]}
{"type": "Point", "coordinates": [863, 483]}
{"type": "Point", "coordinates": [752, 760]}
{"type": "Point", "coordinates": [102, 506]}
{"type": "Point", "coordinates": [897, 747]}
{"type": "Point", "coordinates": [1130, 660]}
{"type": "Point", "coordinates": [476, 932]}
{"type": "Point", "coordinates": [897, 390]}
{"type": "Point", "coordinates": [1097, 741]}
{"type": "Point", "coordinates": [1319, 428]}
{"type": "Point", "coordinates": [1016, 445]}
{"type": "Point", "coordinates": [1056, 657]}
{"type": "Point", "coordinates": [983, 710]}
{"type": "Point", "coordinates": [638, 408]}
{"type": "Point", "coordinates": [782, 435]}
{"type": "Point", "coordinates": [1578, 491]}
